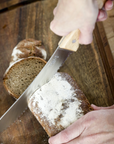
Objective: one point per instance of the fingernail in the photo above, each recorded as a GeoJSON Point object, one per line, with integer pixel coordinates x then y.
{"type": "Point", "coordinates": [49, 141]}
{"type": "Point", "coordinates": [51, 25]}
{"type": "Point", "coordinates": [93, 105]}
{"type": "Point", "coordinates": [111, 5]}
{"type": "Point", "coordinates": [101, 15]}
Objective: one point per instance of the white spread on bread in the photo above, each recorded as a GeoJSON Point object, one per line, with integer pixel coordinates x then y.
{"type": "Point", "coordinates": [44, 53]}
{"type": "Point", "coordinates": [15, 54]}
{"type": "Point", "coordinates": [56, 99]}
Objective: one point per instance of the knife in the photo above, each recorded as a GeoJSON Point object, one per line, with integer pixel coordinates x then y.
{"type": "Point", "coordinates": [66, 46]}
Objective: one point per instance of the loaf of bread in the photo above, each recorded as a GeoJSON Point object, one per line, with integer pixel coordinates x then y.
{"type": "Point", "coordinates": [27, 48]}
{"type": "Point", "coordinates": [26, 62]}
{"type": "Point", "coordinates": [58, 103]}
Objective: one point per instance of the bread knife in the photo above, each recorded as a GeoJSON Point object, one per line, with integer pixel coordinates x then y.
{"type": "Point", "coordinates": [66, 46]}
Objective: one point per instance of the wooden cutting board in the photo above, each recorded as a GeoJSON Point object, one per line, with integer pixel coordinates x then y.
{"type": "Point", "coordinates": [9, 4]}
{"type": "Point", "coordinates": [90, 66]}
{"type": "Point", "coordinates": [109, 28]}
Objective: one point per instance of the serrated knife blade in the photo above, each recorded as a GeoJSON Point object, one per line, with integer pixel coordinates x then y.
{"type": "Point", "coordinates": [67, 45]}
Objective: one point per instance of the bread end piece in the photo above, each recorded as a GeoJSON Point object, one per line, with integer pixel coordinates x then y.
{"type": "Point", "coordinates": [27, 48]}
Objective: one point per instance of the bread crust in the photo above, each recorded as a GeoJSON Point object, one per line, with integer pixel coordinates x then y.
{"type": "Point", "coordinates": [27, 48]}
{"type": "Point", "coordinates": [5, 77]}
{"type": "Point", "coordinates": [49, 127]}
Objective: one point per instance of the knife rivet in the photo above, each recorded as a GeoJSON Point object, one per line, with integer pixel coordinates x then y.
{"type": "Point", "coordinates": [74, 41]}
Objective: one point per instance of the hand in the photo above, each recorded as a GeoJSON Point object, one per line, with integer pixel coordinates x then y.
{"type": "Point", "coordinates": [103, 12]}
{"type": "Point", "coordinates": [77, 14]}
{"type": "Point", "coordinates": [96, 127]}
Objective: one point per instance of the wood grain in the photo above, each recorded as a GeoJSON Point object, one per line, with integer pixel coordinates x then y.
{"type": "Point", "coordinates": [109, 29]}
{"type": "Point", "coordinates": [105, 53]}
{"type": "Point", "coordinates": [85, 66]}
{"type": "Point", "coordinates": [31, 21]}
{"type": "Point", "coordinates": [8, 3]}
{"type": "Point", "coordinates": [5, 5]}
{"type": "Point", "coordinates": [88, 71]}
{"type": "Point", "coordinates": [71, 41]}
{"type": "Point", "coordinates": [24, 130]}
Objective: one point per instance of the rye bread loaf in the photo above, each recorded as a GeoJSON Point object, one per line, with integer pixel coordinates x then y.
{"type": "Point", "coordinates": [21, 74]}
{"type": "Point", "coordinates": [27, 48]}
{"type": "Point", "coordinates": [58, 103]}
{"type": "Point", "coordinates": [26, 62]}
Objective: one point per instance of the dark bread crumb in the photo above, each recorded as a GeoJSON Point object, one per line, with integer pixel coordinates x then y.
{"type": "Point", "coordinates": [21, 74]}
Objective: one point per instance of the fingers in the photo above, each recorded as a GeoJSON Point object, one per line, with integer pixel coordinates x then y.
{"type": "Point", "coordinates": [57, 29]}
{"type": "Point", "coordinates": [109, 5]}
{"type": "Point", "coordinates": [68, 134]}
{"type": "Point", "coordinates": [95, 138]}
{"type": "Point", "coordinates": [102, 15]}
{"type": "Point", "coordinates": [54, 11]}
{"type": "Point", "coordinates": [84, 140]}
{"type": "Point", "coordinates": [101, 108]}
{"type": "Point", "coordinates": [86, 36]}
{"type": "Point", "coordinates": [77, 141]}
{"type": "Point", "coordinates": [68, 18]}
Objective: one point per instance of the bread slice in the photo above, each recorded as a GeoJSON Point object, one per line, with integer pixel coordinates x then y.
{"type": "Point", "coordinates": [20, 75]}
{"type": "Point", "coordinates": [58, 103]}
{"type": "Point", "coordinates": [27, 48]}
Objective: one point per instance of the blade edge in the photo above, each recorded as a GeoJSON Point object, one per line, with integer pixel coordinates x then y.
{"type": "Point", "coordinates": [54, 63]}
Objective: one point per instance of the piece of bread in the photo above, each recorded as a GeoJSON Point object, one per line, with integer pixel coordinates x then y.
{"type": "Point", "coordinates": [24, 66]}
{"type": "Point", "coordinates": [27, 48]}
{"type": "Point", "coordinates": [21, 74]}
{"type": "Point", "coordinates": [58, 103]}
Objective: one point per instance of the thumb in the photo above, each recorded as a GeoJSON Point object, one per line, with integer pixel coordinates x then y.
{"type": "Point", "coordinates": [54, 11]}
{"type": "Point", "coordinates": [102, 15]}
{"type": "Point", "coordinates": [86, 36]}
{"type": "Point", "coordinates": [69, 133]}
{"type": "Point", "coordinates": [101, 108]}
{"type": "Point", "coordinates": [109, 5]}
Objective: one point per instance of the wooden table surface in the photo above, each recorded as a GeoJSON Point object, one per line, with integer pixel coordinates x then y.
{"type": "Point", "coordinates": [9, 4]}
{"type": "Point", "coordinates": [92, 66]}
{"type": "Point", "coordinates": [109, 29]}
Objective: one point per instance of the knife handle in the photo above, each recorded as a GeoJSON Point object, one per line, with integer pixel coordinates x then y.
{"type": "Point", "coordinates": [71, 41]}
